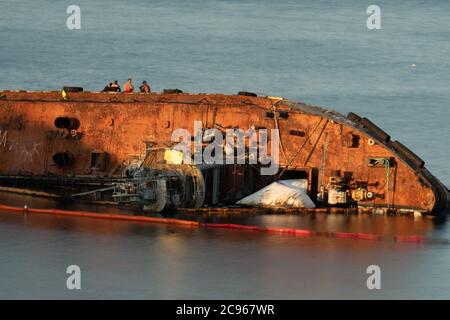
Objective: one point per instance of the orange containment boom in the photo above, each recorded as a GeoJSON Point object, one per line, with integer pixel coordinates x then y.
{"type": "Point", "coordinates": [189, 223]}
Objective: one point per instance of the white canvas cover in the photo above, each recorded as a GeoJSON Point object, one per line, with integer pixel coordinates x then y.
{"type": "Point", "coordinates": [281, 194]}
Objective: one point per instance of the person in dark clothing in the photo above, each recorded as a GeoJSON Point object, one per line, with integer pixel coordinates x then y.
{"type": "Point", "coordinates": [115, 86]}
{"type": "Point", "coordinates": [145, 88]}
{"type": "Point", "coordinates": [108, 87]}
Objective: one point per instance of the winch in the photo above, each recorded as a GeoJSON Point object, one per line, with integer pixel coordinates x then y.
{"type": "Point", "coordinates": [340, 192]}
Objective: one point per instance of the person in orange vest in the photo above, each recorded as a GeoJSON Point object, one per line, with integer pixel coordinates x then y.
{"type": "Point", "coordinates": [128, 86]}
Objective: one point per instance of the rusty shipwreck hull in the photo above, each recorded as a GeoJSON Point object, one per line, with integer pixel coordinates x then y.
{"type": "Point", "coordinates": [86, 141]}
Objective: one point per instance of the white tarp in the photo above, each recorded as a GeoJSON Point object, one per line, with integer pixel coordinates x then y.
{"type": "Point", "coordinates": [284, 193]}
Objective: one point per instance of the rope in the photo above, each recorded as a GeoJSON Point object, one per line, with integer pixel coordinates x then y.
{"type": "Point", "coordinates": [317, 141]}
{"type": "Point", "coordinates": [387, 167]}
{"type": "Point", "coordinates": [300, 149]}
{"type": "Point", "coordinates": [277, 126]}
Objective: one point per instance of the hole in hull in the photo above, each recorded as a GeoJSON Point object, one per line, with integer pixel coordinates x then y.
{"type": "Point", "coordinates": [62, 159]}
{"type": "Point", "coordinates": [67, 123]}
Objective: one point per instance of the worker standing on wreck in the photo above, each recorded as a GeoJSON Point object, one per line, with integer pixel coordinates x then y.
{"type": "Point", "coordinates": [115, 86]}
{"type": "Point", "coordinates": [107, 87]}
{"type": "Point", "coordinates": [128, 86]}
{"type": "Point", "coordinates": [145, 88]}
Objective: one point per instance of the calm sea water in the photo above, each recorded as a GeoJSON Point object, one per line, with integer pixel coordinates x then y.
{"type": "Point", "coordinates": [318, 52]}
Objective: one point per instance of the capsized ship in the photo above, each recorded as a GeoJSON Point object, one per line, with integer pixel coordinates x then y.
{"type": "Point", "coordinates": [118, 148]}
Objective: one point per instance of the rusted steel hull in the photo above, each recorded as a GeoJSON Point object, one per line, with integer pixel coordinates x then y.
{"type": "Point", "coordinates": [86, 141]}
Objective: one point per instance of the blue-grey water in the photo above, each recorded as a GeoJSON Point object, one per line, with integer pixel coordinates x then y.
{"type": "Point", "coordinates": [320, 52]}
